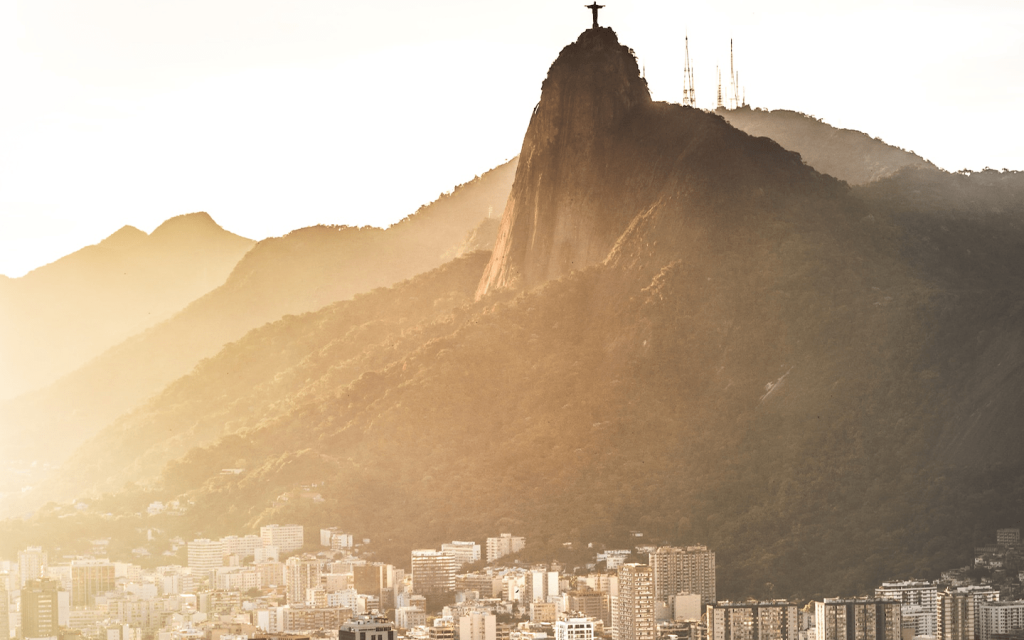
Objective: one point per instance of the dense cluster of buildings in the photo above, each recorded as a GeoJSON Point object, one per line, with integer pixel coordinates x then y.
{"type": "Point", "coordinates": [276, 586]}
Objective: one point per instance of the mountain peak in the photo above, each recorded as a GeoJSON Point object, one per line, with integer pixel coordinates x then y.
{"type": "Point", "coordinates": [593, 83]}
{"type": "Point", "coordinates": [197, 222]}
{"type": "Point", "coordinates": [124, 237]}
{"type": "Point", "coordinates": [556, 216]}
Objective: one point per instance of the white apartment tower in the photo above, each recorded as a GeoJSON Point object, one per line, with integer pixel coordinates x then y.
{"type": "Point", "coordinates": [300, 573]}
{"type": "Point", "coordinates": [635, 603]}
{"type": "Point", "coordinates": [409, 617]}
{"type": "Point", "coordinates": [463, 552]}
{"type": "Point", "coordinates": [504, 545]}
{"type": "Point", "coordinates": [574, 629]}
{"type": "Point", "coordinates": [1001, 617]}
{"type": "Point", "coordinates": [433, 572]}
{"type": "Point", "coordinates": [241, 546]}
{"type": "Point", "coordinates": [31, 564]}
{"type": "Point", "coordinates": [541, 586]}
{"type": "Point", "coordinates": [204, 556]}
{"type": "Point", "coordinates": [5, 623]}
{"type": "Point", "coordinates": [684, 570]}
{"type": "Point", "coordinates": [285, 537]}
{"type": "Point", "coordinates": [478, 626]}
{"type": "Point", "coordinates": [336, 539]}
{"type": "Point", "coordinates": [959, 612]}
{"type": "Point", "coordinates": [919, 600]}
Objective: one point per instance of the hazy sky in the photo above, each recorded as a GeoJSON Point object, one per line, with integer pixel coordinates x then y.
{"type": "Point", "coordinates": [278, 114]}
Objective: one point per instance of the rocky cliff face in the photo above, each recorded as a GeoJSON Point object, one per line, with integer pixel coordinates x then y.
{"type": "Point", "coordinates": [560, 215]}
{"type": "Point", "coordinates": [600, 158]}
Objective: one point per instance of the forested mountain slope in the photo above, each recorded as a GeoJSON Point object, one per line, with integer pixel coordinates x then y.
{"type": "Point", "coordinates": [302, 271]}
{"type": "Point", "coordinates": [849, 155]}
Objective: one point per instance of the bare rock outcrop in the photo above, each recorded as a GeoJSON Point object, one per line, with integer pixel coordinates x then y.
{"type": "Point", "coordinates": [559, 216]}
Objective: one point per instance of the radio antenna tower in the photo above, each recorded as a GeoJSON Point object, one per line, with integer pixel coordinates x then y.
{"type": "Point", "coordinates": [689, 95]}
{"type": "Point", "coordinates": [719, 70]}
{"type": "Point", "coordinates": [732, 74]}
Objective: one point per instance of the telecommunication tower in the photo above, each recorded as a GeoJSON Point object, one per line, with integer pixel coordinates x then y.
{"type": "Point", "coordinates": [689, 94]}
{"type": "Point", "coordinates": [738, 95]}
{"type": "Point", "coordinates": [732, 78]}
{"type": "Point", "coordinates": [719, 71]}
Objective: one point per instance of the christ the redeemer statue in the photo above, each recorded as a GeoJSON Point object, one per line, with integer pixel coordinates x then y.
{"type": "Point", "coordinates": [594, 7]}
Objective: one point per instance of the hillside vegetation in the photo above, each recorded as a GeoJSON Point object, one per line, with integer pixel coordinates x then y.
{"type": "Point", "coordinates": [848, 155]}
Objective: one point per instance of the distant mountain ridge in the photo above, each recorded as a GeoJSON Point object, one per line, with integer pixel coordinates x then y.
{"type": "Point", "coordinates": [299, 272]}
{"type": "Point", "coordinates": [848, 155]}
{"type": "Point", "coordinates": [57, 317]}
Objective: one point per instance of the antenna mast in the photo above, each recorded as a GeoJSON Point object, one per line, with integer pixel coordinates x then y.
{"type": "Point", "coordinates": [719, 70]}
{"type": "Point", "coordinates": [689, 95]}
{"type": "Point", "coordinates": [732, 79]}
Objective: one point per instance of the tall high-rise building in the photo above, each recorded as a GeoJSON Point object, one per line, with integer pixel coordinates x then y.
{"type": "Point", "coordinates": [635, 603]}
{"type": "Point", "coordinates": [1001, 617]}
{"type": "Point", "coordinates": [478, 626]}
{"type": "Point", "coordinates": [919, 601]}
{"type": "Point", "coordinates": [433, 572]}
{"type": "Point", "coordinates": [39, 617]}
{"type": "Point", "coordinates": [959, 616]}
{"type": "Point", "coordinates": [541, 586]}
{"type": "Point", "coordinates": [31, 564]}
{"type": "Point", "coordinates": [952, 617]}
{"type": "Point", "coordinates": [204, 556]}
{"type": "Point", "coordinates": [5, 611]}
{"type": "Point", "coordinates": [90, 578]}
{"type": "Point", "coordinates": [684, 570]}
{"type": "Point", "coordinates": [858, 619]}
{"type": "Point", "coordinates": [286, 538]}
{"type": "Point", "coordinates": [463, 552]}
{"type": "Point", "coordinates": [504, 545]}
{"type": "Point", "coordinates": [300, 573]}
{"type": "Point", "coordinates": [776, 620]}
